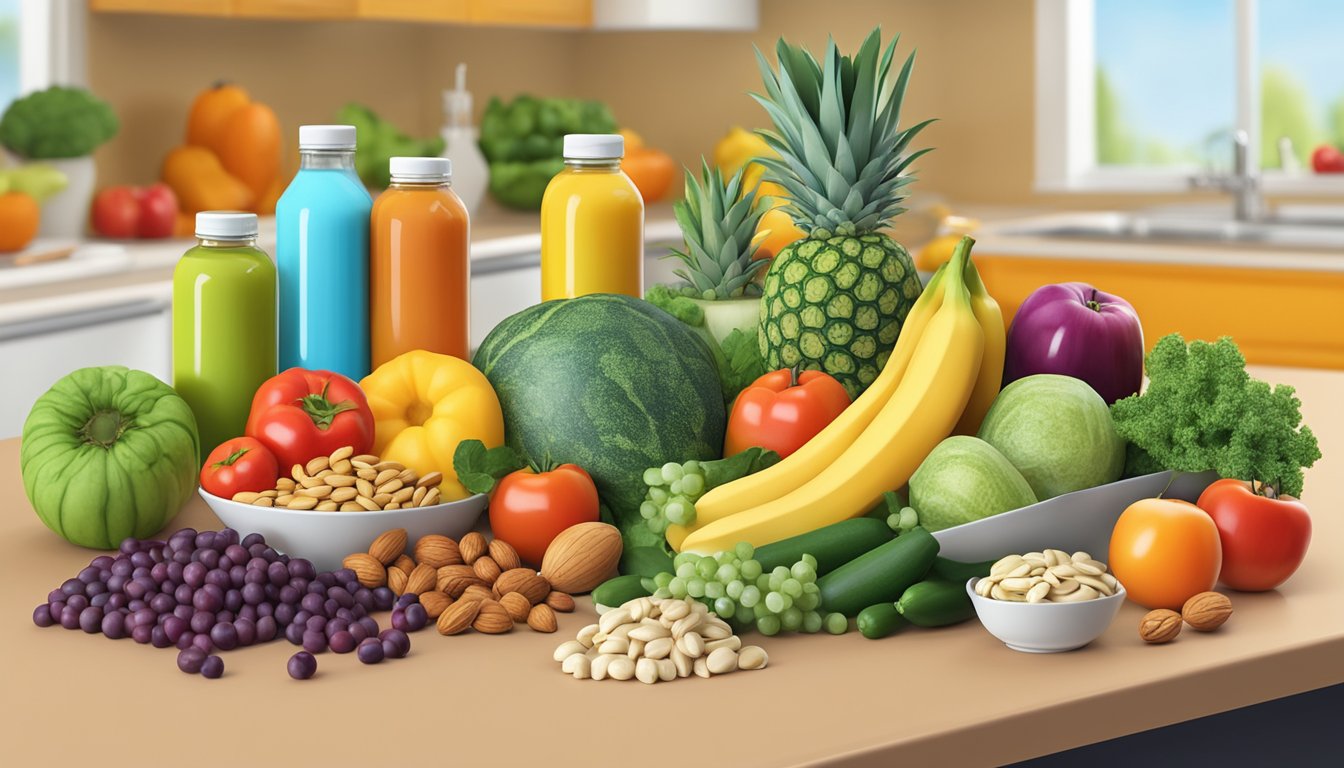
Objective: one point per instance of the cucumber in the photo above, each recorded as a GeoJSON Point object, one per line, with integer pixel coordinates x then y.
{"type": "Point", "coordinates": [880, 575]}
{"type": "Point", "coordinates": [955, 570]}
{"type": "Point", "coordinates": [648, 562]}
{"type": "Point", "coordinates": [614, 592]}
{"type": "Point", "coordinates": [832, 546]}
{"type": "Point", "coordinates": [881, 620]}
{"type": "Point", "coordinates": [936, 603]}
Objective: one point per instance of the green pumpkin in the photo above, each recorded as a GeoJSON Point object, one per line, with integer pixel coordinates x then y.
{"type": "Point", "coordinates": [109, 453]}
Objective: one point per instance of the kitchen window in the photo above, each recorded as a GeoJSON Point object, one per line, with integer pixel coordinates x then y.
{"type": "Point", "coordinates": [41, 44]}
{"type": "Point", "coordinates": [1140, 95]}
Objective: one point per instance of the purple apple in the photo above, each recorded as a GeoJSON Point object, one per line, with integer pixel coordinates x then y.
{"type": "Point", "coordinates": [1075, 330]}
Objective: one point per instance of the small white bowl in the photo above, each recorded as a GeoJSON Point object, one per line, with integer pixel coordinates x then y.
{"type": "Point", "coordinates": [1046, 627]}
{"type": "Point", "coordinates": [326, 538]}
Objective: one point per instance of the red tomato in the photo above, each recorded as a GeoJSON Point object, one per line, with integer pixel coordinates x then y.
{"type": "Point", "coordinates": [782, 410]}
{"type": "Point", "coordinates": [158, 211]}
{"type": "Point", "coordinates": [529, 509]}
{"type": "Point", "coordinates": [1264, 537]}
{"type": "Point", "coordinates": [302, 414]}
{"type": "Point", "coordinates": [116, 212]}
{"type": "Point", "coordinates": [237, 465]}
{"type": "Point", "coordinates": [1164, 552]}
{"type": "Point", "coordinates": [1327, 159]}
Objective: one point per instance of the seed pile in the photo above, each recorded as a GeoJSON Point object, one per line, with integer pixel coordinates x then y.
{"type": "Point", "coordinates": [1052, 576]}
{"type": "Point", "coordinates": [343, 482]}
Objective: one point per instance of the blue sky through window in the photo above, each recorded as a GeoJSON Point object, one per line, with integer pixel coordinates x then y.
{"type": "Point", "coordinates": [9, 51]}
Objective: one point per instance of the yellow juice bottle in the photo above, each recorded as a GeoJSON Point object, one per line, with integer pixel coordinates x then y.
{"type": "Point", "coordinates": [592, 223]}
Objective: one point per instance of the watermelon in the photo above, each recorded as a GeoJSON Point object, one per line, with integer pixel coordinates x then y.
{"type": "Point", "coordinates": [610, 383]}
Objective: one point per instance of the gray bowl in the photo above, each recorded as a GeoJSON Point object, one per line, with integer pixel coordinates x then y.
{"type": "Point", "coordinates": [1081, 520]}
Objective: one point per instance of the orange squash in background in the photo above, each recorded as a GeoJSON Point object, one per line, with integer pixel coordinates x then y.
{"type": "Point", "coordinates": [211, 110]}
{"type": "Point", "coordinates": [202, 184]}
{"type": "Point", "coordinates": [249, 146]}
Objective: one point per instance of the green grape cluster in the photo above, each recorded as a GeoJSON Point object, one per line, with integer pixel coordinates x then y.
{"type": "Point", "coordinates": [737, 588]}
{"type": "Point", "coordinates": [673, 490]}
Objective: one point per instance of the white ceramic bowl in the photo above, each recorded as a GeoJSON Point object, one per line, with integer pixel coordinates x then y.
{"type": "Point", "coordinates": [1081, 520]}
{"type": "Point", "coordinates": [327, 537]}
{"type": "Point", "coordinates": [1046, 627]}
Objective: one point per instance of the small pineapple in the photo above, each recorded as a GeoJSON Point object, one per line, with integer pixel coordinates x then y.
{"type": "Point", "coordinates": [836, 299]}
{"type": "Point", "coordinates": [718, 221]}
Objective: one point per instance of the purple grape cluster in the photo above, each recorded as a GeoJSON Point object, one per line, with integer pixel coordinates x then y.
{"type": "Point", "coordinates": [209, 591]}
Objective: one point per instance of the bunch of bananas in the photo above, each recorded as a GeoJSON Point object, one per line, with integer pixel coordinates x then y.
{"type": "Point", "coordinates": [941, 379]}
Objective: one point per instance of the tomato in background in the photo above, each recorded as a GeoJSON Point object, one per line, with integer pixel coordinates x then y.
{"type": "Point", "coordinates": [1327, 159]}
{"type": "Point", "coordinates": [116, 212]}
{"type": "Point", "coordinates": [1165, 551]}
{"type": "Point", "coordinates": [529, 509]}
{"type": "Point", "coordinates": [238, 465]}
{"type": "Point", "coordinates": [158, 211]}
{"type": "Point", "coordinates": [1264, 536]}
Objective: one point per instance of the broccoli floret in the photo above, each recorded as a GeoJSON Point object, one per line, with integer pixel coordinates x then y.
{"type": "Point", "coordinates": [57, 123]}
{"type": "Point", "coordinates": [1202, 411]}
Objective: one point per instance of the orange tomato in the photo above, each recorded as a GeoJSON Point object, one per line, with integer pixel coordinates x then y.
{"type": "Point", "coordinates": [651, 170]}
{"type": "Point", "coordinates": [1164, 552]}
{"type": "Point", "coordinates": [211, 110]}
{"type": "Point", "coordinates": [19, 217]}
{"type": "Point", "coordinates": [248, 147]}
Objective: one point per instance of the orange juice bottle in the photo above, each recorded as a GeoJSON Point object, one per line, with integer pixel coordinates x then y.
{"type": "Point", "coordinates": [592, 223]}
{"type": "Point", "coordinates": [419, 272]}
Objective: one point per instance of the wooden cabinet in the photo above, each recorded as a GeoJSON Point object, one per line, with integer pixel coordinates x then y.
{"type": "Point", "coordinates": [562, 14]}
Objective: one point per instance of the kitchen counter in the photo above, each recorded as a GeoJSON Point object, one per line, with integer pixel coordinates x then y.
{"type": "Point", "coordinates": [925, 697]}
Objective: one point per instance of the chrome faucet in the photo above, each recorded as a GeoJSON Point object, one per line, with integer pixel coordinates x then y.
{"type": "Point", "coordinates": [1243, 183]}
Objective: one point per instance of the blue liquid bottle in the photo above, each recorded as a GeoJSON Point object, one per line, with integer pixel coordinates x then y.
{"type": "Point", "coordinates": [322, 255]}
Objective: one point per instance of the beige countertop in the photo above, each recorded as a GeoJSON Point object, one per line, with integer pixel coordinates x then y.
{"type": "Point", "coordinates": [922, 698]}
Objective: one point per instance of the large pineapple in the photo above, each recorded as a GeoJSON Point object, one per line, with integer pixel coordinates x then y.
{"type": "Point", "coordinates": [835, 300]}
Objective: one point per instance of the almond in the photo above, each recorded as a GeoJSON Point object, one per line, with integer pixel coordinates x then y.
{"type": "Point", "coordinates": [1160, 626]}
{"type": "Point", "coordinates": [504, 555]}
{"type": "Point", "coordinates": [478, 592]}
{"type": "Point", "coordinates": [458, 617]}
{"type": "Point", "coordinates": [421, 580]}
{"type": "Point", "coordinates": [517, 606]}
{"type": "Point", "coordinates": [559, 601]}
{"type": "Point", "coordinates": [397, 580]}
{"type": "Point", "coordinates": [435, 603]}
{"type": "Point", "coordinates": [492, 619]}
{"type": "Point", "coordinates": [455, 584]}
{"type": "Point", "coordinates": [523, 580]}
{"type": "Point", "coordinates": [1206, 611]}
{"type": "Point", "coordinates": [449, 573]}
{"type": "Point", "coordinates": [437, 551]}
{"type": "Point", "coordinates": [471, 547]}
{"type": "Point", "coordinates": [405, 563]}
{"type": "Point", "coordinates": [581, 557]}
{"type": "Point", "coordinates": [487, 569]}
{"type": "Point", "coordinates": [368, 570]}
{"type": "Point", "coordinates": [541, 618]}
{"type": "Point", "coordinates": [389, 545]}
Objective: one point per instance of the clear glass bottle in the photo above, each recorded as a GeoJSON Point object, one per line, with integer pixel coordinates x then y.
{"type": "Point", "coordinates": [224, 324]}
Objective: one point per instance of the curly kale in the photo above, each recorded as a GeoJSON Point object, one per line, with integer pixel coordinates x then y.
{"type": "Point", "coordinates": [1203, 411]}
{"type": "Point", "coordinates": [58, 122]}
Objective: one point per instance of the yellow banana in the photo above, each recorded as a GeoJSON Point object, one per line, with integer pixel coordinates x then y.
{"type": "Point", "coordinates": [990, 380]}
{"type": "Point", "coordinates": [827, 445]}
{"type": "Point", "coordinates": [926, 405]}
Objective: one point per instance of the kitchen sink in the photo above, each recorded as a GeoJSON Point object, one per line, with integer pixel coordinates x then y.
{"type": "Point", "coordinates": [1319, 231]}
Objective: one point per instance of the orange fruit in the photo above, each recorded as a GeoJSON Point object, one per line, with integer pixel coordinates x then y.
{"type": "Point", "coordinates": [1164, 552]}
{"type": "Point", "coordinates": [19, 217]}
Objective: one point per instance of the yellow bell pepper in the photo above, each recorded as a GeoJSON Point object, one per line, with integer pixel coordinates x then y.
{"type": "Point", "coordinates": [423, 405]}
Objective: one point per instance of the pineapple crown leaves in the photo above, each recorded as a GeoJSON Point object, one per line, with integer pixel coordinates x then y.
{"type": "Point", "coordinates": [842, 157]}
{"type": "Point", "coordinates": [718, 221]}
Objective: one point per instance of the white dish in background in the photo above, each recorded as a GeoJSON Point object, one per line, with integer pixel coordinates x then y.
{"type": "Point", "coordinates": [1046, 627]}
{"type": "Point", "coordinates": [326, 538]}
{"type": "Point", "coordinates": [1081, 520]}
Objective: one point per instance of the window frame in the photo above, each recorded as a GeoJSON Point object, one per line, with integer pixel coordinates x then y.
{"type": "Point", "coordinates": [1066, 111]}
{"type": "Point", "coordinates": [51, 44]}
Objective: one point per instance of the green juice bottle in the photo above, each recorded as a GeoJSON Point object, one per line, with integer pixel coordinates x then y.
{"type": "Point", "coordinates": [224, 326]}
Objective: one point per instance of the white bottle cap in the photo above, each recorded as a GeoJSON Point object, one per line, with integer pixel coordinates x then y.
{"type": "Point", "coordinates": [594, 146]}
{"type": "Point", "coordinates": [421, 169]}
{"type": "Point", "coordinates": [226, 225]}
{"type": "Point", "coordinates": [326, 137]}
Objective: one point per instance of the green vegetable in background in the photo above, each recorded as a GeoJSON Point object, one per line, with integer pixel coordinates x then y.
{"type": "Point", "coordinates": [109, 453]}
{"type": "Point", "coordinates": [1202, 411]}
{"type": "Point", "coordinates": [738, 357]}
{"type": "Point", "coordinates": [380, 141]}
{"type": "Point", "coordinates": [59, 122]}
{"type": "Point", "coordinates": [522, 141]}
